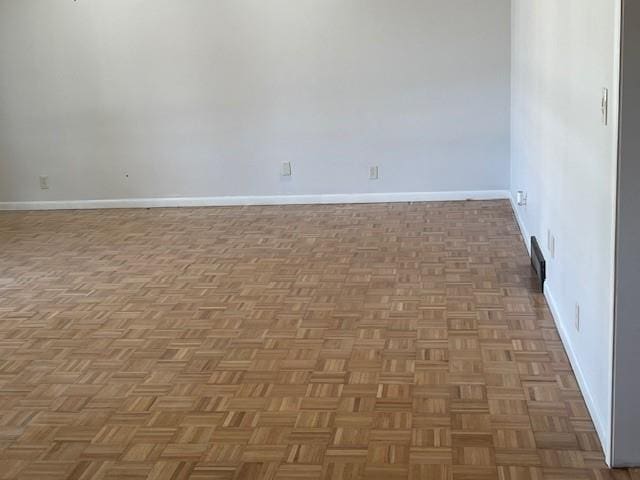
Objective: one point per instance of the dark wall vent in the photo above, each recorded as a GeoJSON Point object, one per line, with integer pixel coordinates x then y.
{"type": "Point", "coordinates": [538, 262]}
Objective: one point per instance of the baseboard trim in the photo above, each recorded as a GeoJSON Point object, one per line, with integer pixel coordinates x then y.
{"type": "Point", "coordinates": [523, 229]}
{"type": "Point", "coordinates": [573, 359]}
{"type": "Point", "coordinates": [566, 341]}
{"type": "Point", "coordinates": [258, 200]}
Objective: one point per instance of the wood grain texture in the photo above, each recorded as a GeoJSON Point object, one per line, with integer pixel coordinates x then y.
{"type": "Point", "coordinates": [343, 342]}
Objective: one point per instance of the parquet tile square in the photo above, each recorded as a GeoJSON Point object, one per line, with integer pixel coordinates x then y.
{"type": "Point", "coordinates": [339, 342]}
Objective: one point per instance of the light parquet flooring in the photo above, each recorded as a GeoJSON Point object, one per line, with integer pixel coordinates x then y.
{"type": "Point", "coordinates": [344, 342]}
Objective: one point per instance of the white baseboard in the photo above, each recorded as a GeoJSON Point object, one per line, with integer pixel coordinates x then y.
{"type": "Point", "coordinates": [523, 228]}
{"type": "Point", "coordinates": [257, 200]}
{"type": "Point", "coordinates": [598, 422]}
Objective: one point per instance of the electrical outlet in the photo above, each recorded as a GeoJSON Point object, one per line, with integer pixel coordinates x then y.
{"type": "Point", "coordinates": [373, 173]}
{"type": "Point", "coordinates": [44, 182]}
{"type": "Point", "coordinates": [285, 169]}
{"type": "Point", "coordinates": [551, 244]}
{"type": "Point", "coordinates": [577, 317]}
{"type": "Point", "coordinates": [521, 198]}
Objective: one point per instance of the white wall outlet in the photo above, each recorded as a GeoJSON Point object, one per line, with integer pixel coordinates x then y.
{"type": "Point", "coordinates": [577, 317]}
{"type": "Point", "coordinates": [373, 173]}
{"type": "Point", "coordinates": [285, 169]}
{"type": "Point", "coordinates": [521, 198]}
{"type": "Point", "coordinates": [44, 182]}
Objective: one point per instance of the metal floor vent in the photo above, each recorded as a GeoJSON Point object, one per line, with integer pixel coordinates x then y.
{"type": "Point", "coordinates": [538, 262]}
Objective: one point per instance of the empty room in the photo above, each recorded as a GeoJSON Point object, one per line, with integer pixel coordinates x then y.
{"type": "Point", "coordinates": [319, 239]}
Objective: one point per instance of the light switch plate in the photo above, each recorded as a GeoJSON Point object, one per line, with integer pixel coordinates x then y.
{"type": "Point", "coordinates": [605, 106]}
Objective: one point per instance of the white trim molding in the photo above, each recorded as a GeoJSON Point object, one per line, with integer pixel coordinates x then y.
{"type": "Point", "coordinates": [598, 422]}
{"type": "Point", "coordinates": [257, 200]}
{"type": "Point", "coordinates": [523, 229]}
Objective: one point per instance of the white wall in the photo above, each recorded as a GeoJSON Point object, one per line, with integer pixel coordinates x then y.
{"type": "Point", "coordinates": [564, 53]}
{"type": "Point", "coordinates": [207, 98]}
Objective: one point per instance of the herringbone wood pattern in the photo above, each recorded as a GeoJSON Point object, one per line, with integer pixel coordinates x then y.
{"type": "Point", "coordinates": [362, 342]}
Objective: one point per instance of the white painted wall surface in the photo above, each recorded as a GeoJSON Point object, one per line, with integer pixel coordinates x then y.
{"type": "Point", "coordinates": [198, 98]}
{"type": "Point", "coordinates": [564, 53]}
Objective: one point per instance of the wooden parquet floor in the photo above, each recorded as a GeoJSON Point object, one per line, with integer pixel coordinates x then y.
{"type": "Point", "coordinates": [348, 342]}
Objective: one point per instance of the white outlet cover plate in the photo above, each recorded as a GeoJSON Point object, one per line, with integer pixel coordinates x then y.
{"type": "Point", "coordinates": [286, 169]}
